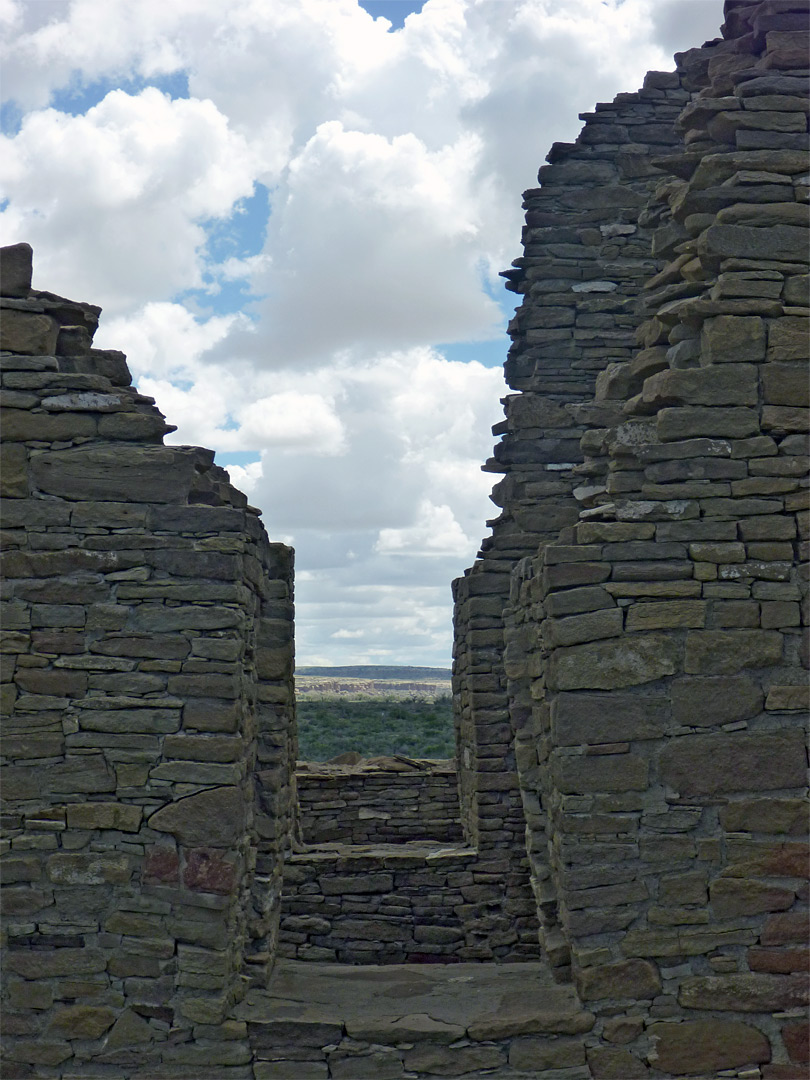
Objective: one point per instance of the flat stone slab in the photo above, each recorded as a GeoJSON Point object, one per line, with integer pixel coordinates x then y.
{"type": "Point", "coordinates": [396, 1001]}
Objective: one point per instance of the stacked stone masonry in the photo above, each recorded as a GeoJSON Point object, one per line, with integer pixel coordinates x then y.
{"type": "Point", "coordinates": [147, 715]}
{"type": "Point", "coordinates": [629, 672]}
{"type": "Point", "coordinates": [388, 801]}
{"type": "Point", "coordinates": [654, 649]}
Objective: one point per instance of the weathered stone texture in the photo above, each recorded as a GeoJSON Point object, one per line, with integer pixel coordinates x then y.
{"type": "Point", "coordinates": [652, 650]}
{"type": "Point", "coordinates": [142, 864]}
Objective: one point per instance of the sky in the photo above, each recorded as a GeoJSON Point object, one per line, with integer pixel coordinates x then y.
{"type": "Point", "coordinates": [293, 213]}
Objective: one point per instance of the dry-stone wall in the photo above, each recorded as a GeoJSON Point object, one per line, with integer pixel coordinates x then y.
{"type": "Point", "coordinates": [655, 661]}
{"type": "Point", "coordinates": [147, 717]}
{"type": "Point", "coordinates": [587, 244]}
{"type": "Point", "coordinates": [388, 801]}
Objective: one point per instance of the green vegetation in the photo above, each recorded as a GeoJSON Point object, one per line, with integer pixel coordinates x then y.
{"type": "Point", "coordinates": [328, 726]}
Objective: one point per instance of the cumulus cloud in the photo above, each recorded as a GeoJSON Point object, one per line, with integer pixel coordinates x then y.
{"type": "Point", "coordinates": [306, 346]}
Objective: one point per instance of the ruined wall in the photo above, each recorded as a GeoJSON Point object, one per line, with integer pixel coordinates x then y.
{"type": "Point", "coordinates": [587, 251]}
{"type": "Point", "coordinates": [656, 660]}
{"type": "Point", "coordinates": [392, 802]}
{"type": "Point", "coordinates": [147, 717]}
{"type": "Point", "coordinates": [391, 904]}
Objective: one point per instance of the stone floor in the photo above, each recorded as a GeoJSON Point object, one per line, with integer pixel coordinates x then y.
{"type": "Point", "coordinates": [461, 1020]}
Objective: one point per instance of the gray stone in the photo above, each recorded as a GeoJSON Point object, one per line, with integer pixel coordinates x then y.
{"type": "Point", "coordinates": [16, 265]}
{"type": "Point", "coordinates": [607, 665]}
{"type": "Point", "coordinates": [215, 818]}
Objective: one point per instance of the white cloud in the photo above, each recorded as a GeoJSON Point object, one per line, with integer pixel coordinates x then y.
{"type": "Point", "coordinates": [394, 164]}
{"type": "Point", "coordinates": [114, 200]}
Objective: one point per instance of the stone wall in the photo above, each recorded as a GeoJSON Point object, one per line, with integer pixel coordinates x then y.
{"type": "Point", "coordinates": [587, 252]}
{"type": "Point", "coordinates": [388, 802]}
{"type": "Point", "coordinates": [391, 904]}
{"type": "Point", "coordinates": [655, 658]}
{"type": "Point", "coordinates": [148, 705]}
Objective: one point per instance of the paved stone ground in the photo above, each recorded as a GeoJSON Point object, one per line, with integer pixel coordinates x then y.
{"type": "Point", "coordinates": [464, 1020]}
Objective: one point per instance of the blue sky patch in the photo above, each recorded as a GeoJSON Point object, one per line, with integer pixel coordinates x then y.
{"type": "Point", "coordinates": [396, 11]}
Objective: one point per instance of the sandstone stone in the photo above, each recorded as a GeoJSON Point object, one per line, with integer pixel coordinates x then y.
{"type": "Point", "coordinates": [625, 979]}
{"type": "Point", "coordinates": [95, 869]}
{"type": "Point", "coordinates": [784, 418]}
{"type": "Point", "coordinates": [16, 262]}
{"type": "Point", "coordinates": [615, 772]}
{"type": "Point", "coordinates": [787, 698]}
{"type": "Point", "coordinates": [82, 1021]}
{"type": "Point", "coordinates": [18, 425]}
{"type": "Point", "coordinates": [744, 992]}
{"type": "Point", "coordinates": [745, 896]}
{"type": "Point", "coordinates": [708, 764]}
{"type": "Point", "coordinates": [716, 699]}
{"type": "Point", "coordinates": [25, 332]}
{"type": "Point", "coordinates": [729, 384]}
{"type": "Point", "coordinates": [32, 964]}
{"type": "Point", "coordinates": [441, 1061]}
{"type": "Point", "coordinates": [152, 474]}
{"type": "Point", "coordinates": [785, 384]}
{"type": "Point", "coordinates": [696, 421]}
{"type": "Point", "coordinates": [764, 815]}
{"type": "Point", "coordinates": [415, 1027]}
{"type": "Point", "coordinates": [613, 664]}
{"type": "Point", "coordinates": [609, 1063]}
{"type": "Point", "coordinates": [787, 243]}
{"type": "Point", "coordinates": [14, 475]}
{"type": "Point", "coordinates": [725, 652]}
{"type": "Point", "coordinates": [703, 1046]}
{"type": "Point", "coordinates": [580, 628]}
{"type": "Point", "coordinates": [667, 614]}
{"type": "Point", "coordinates": [214, 818]}
{"type": "Point", "coordinates": [608, 717]}
{"type": "Point", "coordinates": [538, 1055]}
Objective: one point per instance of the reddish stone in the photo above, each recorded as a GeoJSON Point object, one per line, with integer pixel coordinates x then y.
{"type": "Point", "coordinates": [796, 1036]}
{"type": "Point", "coordinates": [786, 928]}
{"type": "Point", "coordinates": [701, 1046]}
{"type": "Point", "coordinates": [782, 961]}
{"type": "Point", "coordinates": [780, 860]}
{"type": "Point", "coordinates": [206, 870]}
{"type": "Point", "coordinates": [161, 865]}
{"type": "Point", "coordinates": [784, 1072]}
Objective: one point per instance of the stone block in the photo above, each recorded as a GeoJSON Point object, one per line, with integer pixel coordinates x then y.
{"type": "Point", "coordinates": [452, 1061]}
{"type": "Point", "coordinates": [710, 764]}
{"type": "Point", "coordinates": [779, 961]}
{"type": "Point", "coordinates": [737, 339]}
{"type": "Point", "coordinates": [704, 1046]}
{"type": "Point", "coordinates": [55, 963]}
{"type": "Point", "coordinates": [786, 698]}
{"type": "Point", "coordinates": [666, 614]}
{"type": "Point", "coordinates": [611, 1063]}
{"type": "Point", "coordinates": [589, 626]}
{"type": "Point", "coordinates": [729, 384]}
{"type": "Point", "coordinates": [629, 660]}
{"type": "Point", "coordinates": [625, 979]}
{"type": "Point", "coordinates": [98, 868]}
{"type": "Point", "coordinates": [98, 815]}
{"type": "Point", "coordinates": [787, 340]}
{"type": "Point", "coordinates": [613, 772]}
{"type": "Point", "coordinates": [786, 384]}
{"type": "Point", "coordinates": [775, 815]}
{"type": "Point", "coordinates": [704, 701]}
{"type": "Point", "coordinates": [744, 992]}
{"type": "Point", "coordinates": [214, 818]}
{"type": "Point", "coordinates": [783, 243]}
{"type": "Point", "coordinates": [16, 268]}
{"type": "Point", "coordinates": [28, 333]}
{"type": "Point", "coordinates": [534, 1056]}
{"type": "Point", "coordinates": [14, 471]}
{"type": "Point", "coordinates": [731, 897]}
{"type": "Point", "coordinates": [151, 474]}
{"type": "Point", "coordinates": [608, 717]}
{"type": "Point", "coordinates": [695, 421]}
{"type": "Point", "coordinates": [82, 1021]}
{"type": "Point", "coordinates": [725, 652]}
